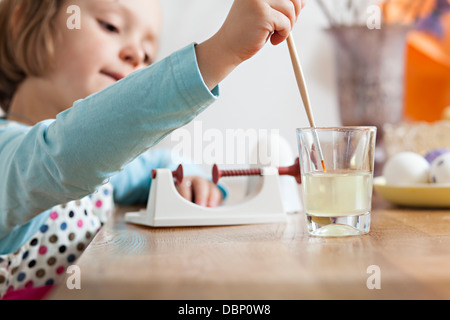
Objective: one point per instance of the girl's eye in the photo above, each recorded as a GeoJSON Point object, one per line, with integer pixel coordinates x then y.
{"type": "Point", "coordinates": [147, 59]}
{"type": "Point", "coordinates": [108, 26]}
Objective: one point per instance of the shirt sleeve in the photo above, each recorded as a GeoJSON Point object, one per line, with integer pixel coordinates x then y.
{"type": "Point", "coordinates": [65, 159]}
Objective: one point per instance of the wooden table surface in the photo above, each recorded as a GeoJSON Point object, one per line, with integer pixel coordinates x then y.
{"type": "Point", "coordinates": [409, 247]}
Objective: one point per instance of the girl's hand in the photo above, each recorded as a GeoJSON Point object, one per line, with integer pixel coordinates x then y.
{"type": "Point", "coordinates": [249, 25]}
{"type": "Point", "coordinates": [200, 191]}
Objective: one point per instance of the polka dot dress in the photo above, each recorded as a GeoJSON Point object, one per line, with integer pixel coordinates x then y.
{"type": "Point", "coordinates": [43, 260]}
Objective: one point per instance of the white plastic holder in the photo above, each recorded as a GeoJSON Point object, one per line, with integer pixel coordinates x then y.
{"type": "Point", "coordinates": [167, 208]}
{"type": "Point", "coordinates": [275, 151]}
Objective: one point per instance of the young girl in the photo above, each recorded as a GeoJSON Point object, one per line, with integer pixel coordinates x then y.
{"type": "Point", "coordinates": [83, 109]}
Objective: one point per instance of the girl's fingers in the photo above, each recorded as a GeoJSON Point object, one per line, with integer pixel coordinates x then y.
{"type": "Point", "coordinates": [299, 5]}
{"type": "Point", "coordinates": [289, 8]}
{"type": "Point", "coordinates": [282, 27]}
{"type": "Point", "coordinates": [215, 196]}
{"type": "Point", "coordinates": [185, 189]}
{"type": "Point", "coordinates": [206, 193]}
{"type": "Point", "coordinates": [200, 189]}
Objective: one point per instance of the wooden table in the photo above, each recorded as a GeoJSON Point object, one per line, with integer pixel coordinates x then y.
{"type": "Point", "coordinates": [410, 248]}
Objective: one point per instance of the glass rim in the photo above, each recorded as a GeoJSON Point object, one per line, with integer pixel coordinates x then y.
{"type": "Point", "coordinates": [342, 128]}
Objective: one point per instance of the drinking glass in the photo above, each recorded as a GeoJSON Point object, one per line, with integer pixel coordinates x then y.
{"type": "Point", "coordinates": [337, 198]}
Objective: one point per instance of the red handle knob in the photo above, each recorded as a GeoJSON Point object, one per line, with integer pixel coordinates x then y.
{"type": "Point", "coordinates": [178, 174]}
{"type": "Point", "coordinates": [293, 171]}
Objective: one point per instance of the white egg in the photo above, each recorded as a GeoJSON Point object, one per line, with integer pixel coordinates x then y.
{"type": "Point", "coordinates": [440, 169]}
{"type": "Point", "coordinates": [406, 168]}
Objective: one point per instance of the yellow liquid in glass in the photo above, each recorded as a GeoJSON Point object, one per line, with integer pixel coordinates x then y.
{"type": "Point", "coordinates": [337, 194]}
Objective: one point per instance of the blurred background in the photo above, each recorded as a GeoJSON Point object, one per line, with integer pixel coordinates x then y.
{"type": "Point", "coordinates": [366, 62]}
{"type": "Point", "coordinates": [388, 66]}
{"type": "Point", "coordinates": [261, 93]}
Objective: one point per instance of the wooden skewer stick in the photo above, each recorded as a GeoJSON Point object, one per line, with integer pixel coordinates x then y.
{"type": "Point", "coordinates": [304, 92]}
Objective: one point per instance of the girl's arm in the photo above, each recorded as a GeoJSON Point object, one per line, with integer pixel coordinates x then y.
{"type": "Point", "coordinates": [59, 161]}
{"type": "Point", "coordinates": [65, 159]}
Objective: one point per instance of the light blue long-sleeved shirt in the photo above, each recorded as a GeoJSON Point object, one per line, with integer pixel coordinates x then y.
{"type": "Point", "coordinates": [105, 137]}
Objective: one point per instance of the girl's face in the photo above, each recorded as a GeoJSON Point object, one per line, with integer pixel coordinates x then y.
{"type": "Point", "coordinates": [116, 38]}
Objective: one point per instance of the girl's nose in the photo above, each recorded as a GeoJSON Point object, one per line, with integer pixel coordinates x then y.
{"type": "Point", "coordinates": [133, 54]}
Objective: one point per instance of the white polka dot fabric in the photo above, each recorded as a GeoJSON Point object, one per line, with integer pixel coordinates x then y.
{"type": "Point", "coordinates": [69, 229]}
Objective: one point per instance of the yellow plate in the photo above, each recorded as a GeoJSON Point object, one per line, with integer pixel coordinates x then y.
{"type": "Point", "coordinates": [417, 195]}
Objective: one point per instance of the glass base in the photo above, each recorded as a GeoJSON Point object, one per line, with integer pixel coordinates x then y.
{"type": "Point", "coordinates": [344, 226]}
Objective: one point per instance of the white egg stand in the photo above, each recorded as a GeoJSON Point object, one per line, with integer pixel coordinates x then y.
{"type": "Point", "coordinates": [269, 196]}
{"type": "Point", "coordinates": [167, 208]}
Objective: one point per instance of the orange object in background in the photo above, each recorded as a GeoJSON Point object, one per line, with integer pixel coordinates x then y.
{"type": "Point", "coordinates": [427, 69]}
{"type": "Point", "coordinates": [405, 11]}
{"type": "Point", "coordinates": [427, 83]}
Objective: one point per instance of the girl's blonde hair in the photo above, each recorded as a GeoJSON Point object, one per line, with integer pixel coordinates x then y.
{"type": "Point", "coordinates": [27, 35]}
